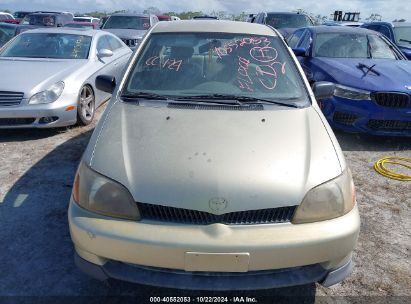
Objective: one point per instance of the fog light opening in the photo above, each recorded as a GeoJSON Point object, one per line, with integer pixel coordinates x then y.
{"type": "Point", "coordinates": [47, 120]}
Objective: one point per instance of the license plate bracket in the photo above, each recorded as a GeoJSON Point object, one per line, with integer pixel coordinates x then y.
{"type": "Point", "coordinates": [217, 262]}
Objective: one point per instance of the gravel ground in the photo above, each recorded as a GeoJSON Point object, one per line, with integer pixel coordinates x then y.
{"type": "Point", "coordinates": [36, 253]}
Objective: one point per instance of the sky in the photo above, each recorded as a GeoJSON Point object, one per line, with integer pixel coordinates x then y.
{"type": "Point", "coordinates": [389, 9]}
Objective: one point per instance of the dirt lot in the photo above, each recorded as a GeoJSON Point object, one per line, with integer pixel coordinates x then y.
{"type": "Point", "coordinates": [36, 254]}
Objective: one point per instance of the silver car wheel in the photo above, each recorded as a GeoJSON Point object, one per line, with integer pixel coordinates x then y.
{"type": "Point", "coordinates": [86, 106]}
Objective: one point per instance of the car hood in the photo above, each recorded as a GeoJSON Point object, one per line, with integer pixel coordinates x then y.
{"type": "Point", "coordinates": [127, 33]}
{"type": "Point", "coordinates": [394, 75]}
{"type": "Point", "coordinates": [185, 158]}
{"type": "Point", "coordinates": [42, 73]}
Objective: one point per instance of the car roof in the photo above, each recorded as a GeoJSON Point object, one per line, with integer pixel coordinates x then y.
{"type": "Point", "coordinates": [213, 26]}
{"type": "Point", "coordinates": [339, 29]}
{"type": "Point", "coordinates": [63, 30]}
{"type": "Point", "coordinates": [130, 14]}
{"type": "Point", "coordinates": [285, 13]}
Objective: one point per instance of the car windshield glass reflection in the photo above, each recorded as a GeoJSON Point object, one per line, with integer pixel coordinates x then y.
{"type": "Point", "coordinates": [205, 64]}
{"type": "Point", "coordinates": [127, 22]}
{"type": "Point", "coordinates": [6, 33]}
{"type": "Point", "coordinates": [352, 45]}
{"type": "Point", "coordinates": [403, 35]}
{"type": "Point", "coordinates": [280, 21]}
{"type": "Point", "coordinates": [48, 45]}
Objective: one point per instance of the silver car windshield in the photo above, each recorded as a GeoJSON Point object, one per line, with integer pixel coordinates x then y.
{"type": "Point", "coordinates": [353, 45]}
{"type": "Point", "coordinates": [48, 45]}
{"type": "Point", "coordinates": [198, 64]}
{"type": "Point", "coordinates": [127, 22]}
{"type": "Point", "coordinates": [403, 35]}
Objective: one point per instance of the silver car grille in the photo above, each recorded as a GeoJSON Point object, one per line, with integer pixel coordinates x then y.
{"type": "Point", "coordinates": [10, 98]}
{"type": "Point", "coordinates": [130, 42]}
{"type": "Point", "coordinates": [195, 217]}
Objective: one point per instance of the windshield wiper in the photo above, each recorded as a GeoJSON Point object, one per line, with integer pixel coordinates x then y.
{"type": "Point", "coordinates": [405, 40]}
{"type": "Point", "coordinates": [143, 95]}
{"type": "Point", "coordinates": [238, 98]}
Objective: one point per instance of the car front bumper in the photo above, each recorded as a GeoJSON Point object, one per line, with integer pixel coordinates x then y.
{"type": "Point", "coordinates": [60, 113]}
{"type": "Point", "coordinates": [365, 116]}
{"type": "Point", "coordinates": [279, 254]}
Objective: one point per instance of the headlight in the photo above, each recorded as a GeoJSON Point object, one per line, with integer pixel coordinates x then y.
{"type": "Point", "coordinates": [351, 93]}
{"type": "Point", "coordinates": [326, 201]}
{"type": "Point", "coordinates": [49, 95]}
{"type": "Point", "coordinates": [99, 194]}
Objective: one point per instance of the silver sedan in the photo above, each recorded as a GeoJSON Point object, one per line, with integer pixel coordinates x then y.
{"type": "Point", "coordinates": [48, 76]}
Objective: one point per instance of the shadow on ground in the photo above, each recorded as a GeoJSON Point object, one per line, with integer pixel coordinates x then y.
{"type": "Point", "coordinates": [37, 253]}
{"type": "Point", "coordinates": [363, 142]}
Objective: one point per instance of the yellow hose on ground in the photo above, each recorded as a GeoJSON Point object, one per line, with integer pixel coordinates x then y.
{"type": "Point", "coordinates": [399, 161]}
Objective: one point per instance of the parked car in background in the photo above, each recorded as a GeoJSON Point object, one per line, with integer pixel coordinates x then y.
{"type": "Point", "coordinates": [398, 32]}
{"type": "Point", "coordinates": [86, 19]}
{"type": "Point", "coordinates": [19, 15]}
{"type": "Point", "coordinates": [103, 21]}
{"type": "Point", "coordinates": [190, 180]}
{"type": "Point", "coordinates": [5, 16]}
{"type": "Point", "coordinates": [130, 28]}
{"type": "Point", "coordinates": [372, 77]}
{"type": "Point", "coordinates": [63, 65]}
{"type": "Point", "coordinates": [285, 23]}
{"type": "Point", "coordinates": [164, 18]}
{"type": "Point", "coordinates": [205, 17]}
{"type": "Point", "coordinates": [336, 23]}
{"type": "Point", "coordinates": [8, 31]}
{"type": "Point", "coordinates": [175, 18]}
{"type": "Point", "coordinates": [48, 19]}
{"type": "Point", "coordinates": [88, 25]}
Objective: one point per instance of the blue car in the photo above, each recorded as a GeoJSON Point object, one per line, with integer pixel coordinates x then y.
{"type": "Point", "coordinates": [398, 32]}
{"type": "Point", "coordinates": [372, 78]}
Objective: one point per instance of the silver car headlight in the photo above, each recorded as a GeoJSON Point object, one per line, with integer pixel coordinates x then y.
{"type": "Point", "coordinates": [327, 201]}
{"type": "Point", "coordinates": [49, 95]}
{"type": "Point", "coordinates": [351, 93]}
{"type": "Point", "coordinates": [101, 195]}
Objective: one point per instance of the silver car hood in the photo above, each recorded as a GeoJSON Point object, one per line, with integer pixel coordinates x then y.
{"type": "Point", "coordinates": [34, 75]}
{"type": "Point", "coordinates": [185, 158]}
{"type": "Point", "coordinates": [127, 33]}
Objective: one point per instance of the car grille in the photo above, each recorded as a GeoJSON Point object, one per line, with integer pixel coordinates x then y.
{"type": "Point", "coordinates": [10, 98]}
{"type": "Point", "coordinates": [130, 42]}
{"type": "Point", "coordinates": [187, 216]}
{"type": "Point", "coordinates": [16, 121]}
{"type": "Point", "coordinates": [344, 118]}
{"type": "Point", "coordinates": [389, 125]}
{"type": "Point", "coordinates": [391, 100]}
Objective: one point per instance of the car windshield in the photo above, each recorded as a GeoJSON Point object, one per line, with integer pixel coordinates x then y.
{"type": "Point", "coordinates": [352, 45]}
{"type": "Point", "coordinates": [46, 20]}
{"type": "Point", "coordinates": [82, 19]}
{"type": "Point", "coordinates": [20, 15]}
{"type": "Point", "coordinates": [280, 21]}
{"type": "Point", "coordinates": [6, 33]}
{"type": "Point", "coordinates": [206, 64]}
{"type": "Point", "coordinates": [403, 35]}
{"type": "Point", "coordinates": [127, 22]}
{"type": "Point", "coordinates": [48, 45]}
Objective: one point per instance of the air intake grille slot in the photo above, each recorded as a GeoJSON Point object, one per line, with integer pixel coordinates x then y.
{"type": "Point", "coordinates": [189, 106]}
{"type": "Point", "coordinates": [16, 121]}
{"type": "Point", "coordinates": [392, 100]}
{"type": "Point", "coordinates": [10, 98]}
{"type": "Point", "coordinates": [389, 125]}
{"type": "Point", "coordinates": [344, 118]}
{"type": "Point", "coordinates": [194, 217]}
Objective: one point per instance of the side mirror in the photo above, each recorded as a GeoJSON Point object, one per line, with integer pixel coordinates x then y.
{"type": "Point", "coordinates": [106, 83]}
{"type": "Point", "coordinates": [323, 90]}
{"type": "Point", "coordinates": [104, 53]}
{"type": "Point", "coordinates": [300, 52]}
